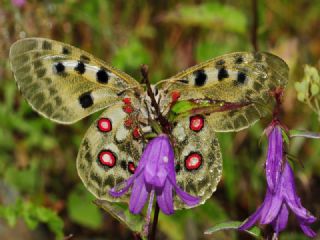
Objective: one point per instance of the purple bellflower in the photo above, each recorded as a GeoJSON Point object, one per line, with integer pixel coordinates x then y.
{"type": "Point", "coordinates": [155, 174]}
{"type": "Point", "coordinates": [18, 3]}
{"type": "Point", "coordinates": [281, 191]}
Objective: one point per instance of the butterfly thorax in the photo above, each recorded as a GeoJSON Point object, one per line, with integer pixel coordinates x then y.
{"type": "Point", "coordinates": [148, 115]}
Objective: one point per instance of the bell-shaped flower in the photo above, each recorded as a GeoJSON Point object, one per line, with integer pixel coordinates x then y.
{"type": "Point", "coordinates": [18, 3]}
{"type": "Point", "coordinates": [155, 174]}
{"type": "Point", "coordinates": [281, 191]}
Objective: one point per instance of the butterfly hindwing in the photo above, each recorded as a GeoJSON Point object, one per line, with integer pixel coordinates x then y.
{"type": "Point", "coordinates": [236, 85]}
{"type": "Point", "coordinates": [62, 82]}
{"type": "Point", "coordinates": [198, 158]}
{"type": "Point", "coordinates": [108, 154]}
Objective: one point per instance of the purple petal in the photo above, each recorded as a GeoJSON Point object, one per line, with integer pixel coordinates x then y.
{"type": "Point", "coordinates": [18, 3]}
{"type": "Point", "coordinates": [184, 196]}
{"type": "Point", "coordinates": [252, 219]}
{"type": "Point", "coordinates": [280, 222]}
{"type": "Point", "coordinates": [118, 191]}
{"type": "Point", "coordinates": [291, 197]}
{"type": "Point", "coordinates": [274, 158]}
{"type": "Point", "coordinates": [260, 213]}
{"type": "Point", "coordinates": [307, 230]}
{"type": "Point", "coordinates": [272, 205]}
{"type": "Point", "coordinates": [157, 155]}
{"type": "Point", "coordinates": [165, 200]}
{"type": "Point", "coordinates": [139, 195]}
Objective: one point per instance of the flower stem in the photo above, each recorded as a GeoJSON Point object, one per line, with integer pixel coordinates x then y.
{"type": "Point", "coordinates": [152, 235]}
{"type": "Point", "coordinates": [147, 224]}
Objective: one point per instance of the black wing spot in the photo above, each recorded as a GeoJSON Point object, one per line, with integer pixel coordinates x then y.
{"type": "Point", "coordinates": [102, 76]}
{"type": "Point", "coordinates": [177, 167]}
{"type": "Point", "coordinates": [46, 45]}
{"type": "Point", "coordinates": [59, 67]}
{"type": "Point", "coordinates": [80, 68]}
{"type": "Point", "coordinates": [66, 50]}
{"type": "Point", "coordinates": [123, 165]}
{"type": "Point", "coordinates": [86, 100]}
{"type": "Point", "coordinates": [241, 77]}
{"type": "Point", "coordinates": [200, 77]}
{"type": "Point", "coordinates": [222, 74]}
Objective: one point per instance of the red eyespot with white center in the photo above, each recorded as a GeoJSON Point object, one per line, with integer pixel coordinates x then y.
{"type": "Point", "coordinates": [131, 167]}
{"type": "Point", "coordinates": [193, 161]}
{"type": "Point", "coordinates": [196, 123]}
{"type": "Point", "coordinates": [104, 125]}
{"type": "Point", "coordinates": [107, 158]}
{"type": "Point", "coordinates": [128, 123]}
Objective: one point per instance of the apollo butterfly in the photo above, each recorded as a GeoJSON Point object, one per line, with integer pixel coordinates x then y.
{"type": "Point", "coordinates": [227, 93]}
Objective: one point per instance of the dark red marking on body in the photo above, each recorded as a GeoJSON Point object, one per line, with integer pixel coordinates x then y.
{"type": "Point", "coordinates": [131, 167]}
{"type": "Point", "coordinates": [175, 95]}
{"type": "Point", "coordinates": [127, 109]}
{"type": "Point", "coordinates": [126, 100]}
{"type": "Point", "coordinates": [128, 123]}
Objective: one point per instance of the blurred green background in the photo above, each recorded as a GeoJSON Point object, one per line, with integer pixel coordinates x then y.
{"type": "Point", "coordinates": [41, 195]}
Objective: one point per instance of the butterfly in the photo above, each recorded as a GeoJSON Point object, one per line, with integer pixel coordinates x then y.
{"type": "Point", "coordinates": [227, 93]}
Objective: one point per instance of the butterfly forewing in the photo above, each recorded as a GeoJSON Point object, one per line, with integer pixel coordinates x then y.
{"type": "Point", "coordinates": [108, 154]}
{"type": "Point", "coordinates": [198, 158]}
{"type": "Point", "coordinates": [240, 83]}
{"type": "Point", "coordinates": [65, 83]}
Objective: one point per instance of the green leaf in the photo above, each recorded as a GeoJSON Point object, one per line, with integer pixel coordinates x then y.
{"type": "Point", "coordinates": [29, 215]}
{"type": "Point", "coordinates": [25, 180]}
{"type": "Point", "coordinates": [301, 96]}
{"type": "Point", "coordinates": [132, 55]}
{"type": "Point", "coordinates": [210, 15]}
{"type": "Point", "coordinates": [32, 214]}
{"type": "Point", "coordinates": [9, 214]}
{"type": "Point", "coordinates": [54, 222]}
{"type": "Point", "coordinates": [314, 89]}
{"type": "Point", "coordinates": [122, 214]}
{"type": "Point", "coordinates": [182, 106]}
{"type": "Point", "coordinates": [301, 86]}
{"type": "Point", "coordinates": [81, 210]}
{"type": "Point", "coordinates": [187, 107]}
{"type": "Point", "coordinates": [285, 136]}
{"type": "Point", "coordinates": [305, 134]}
{"type": "Point", "coordinates": [234, 225]}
